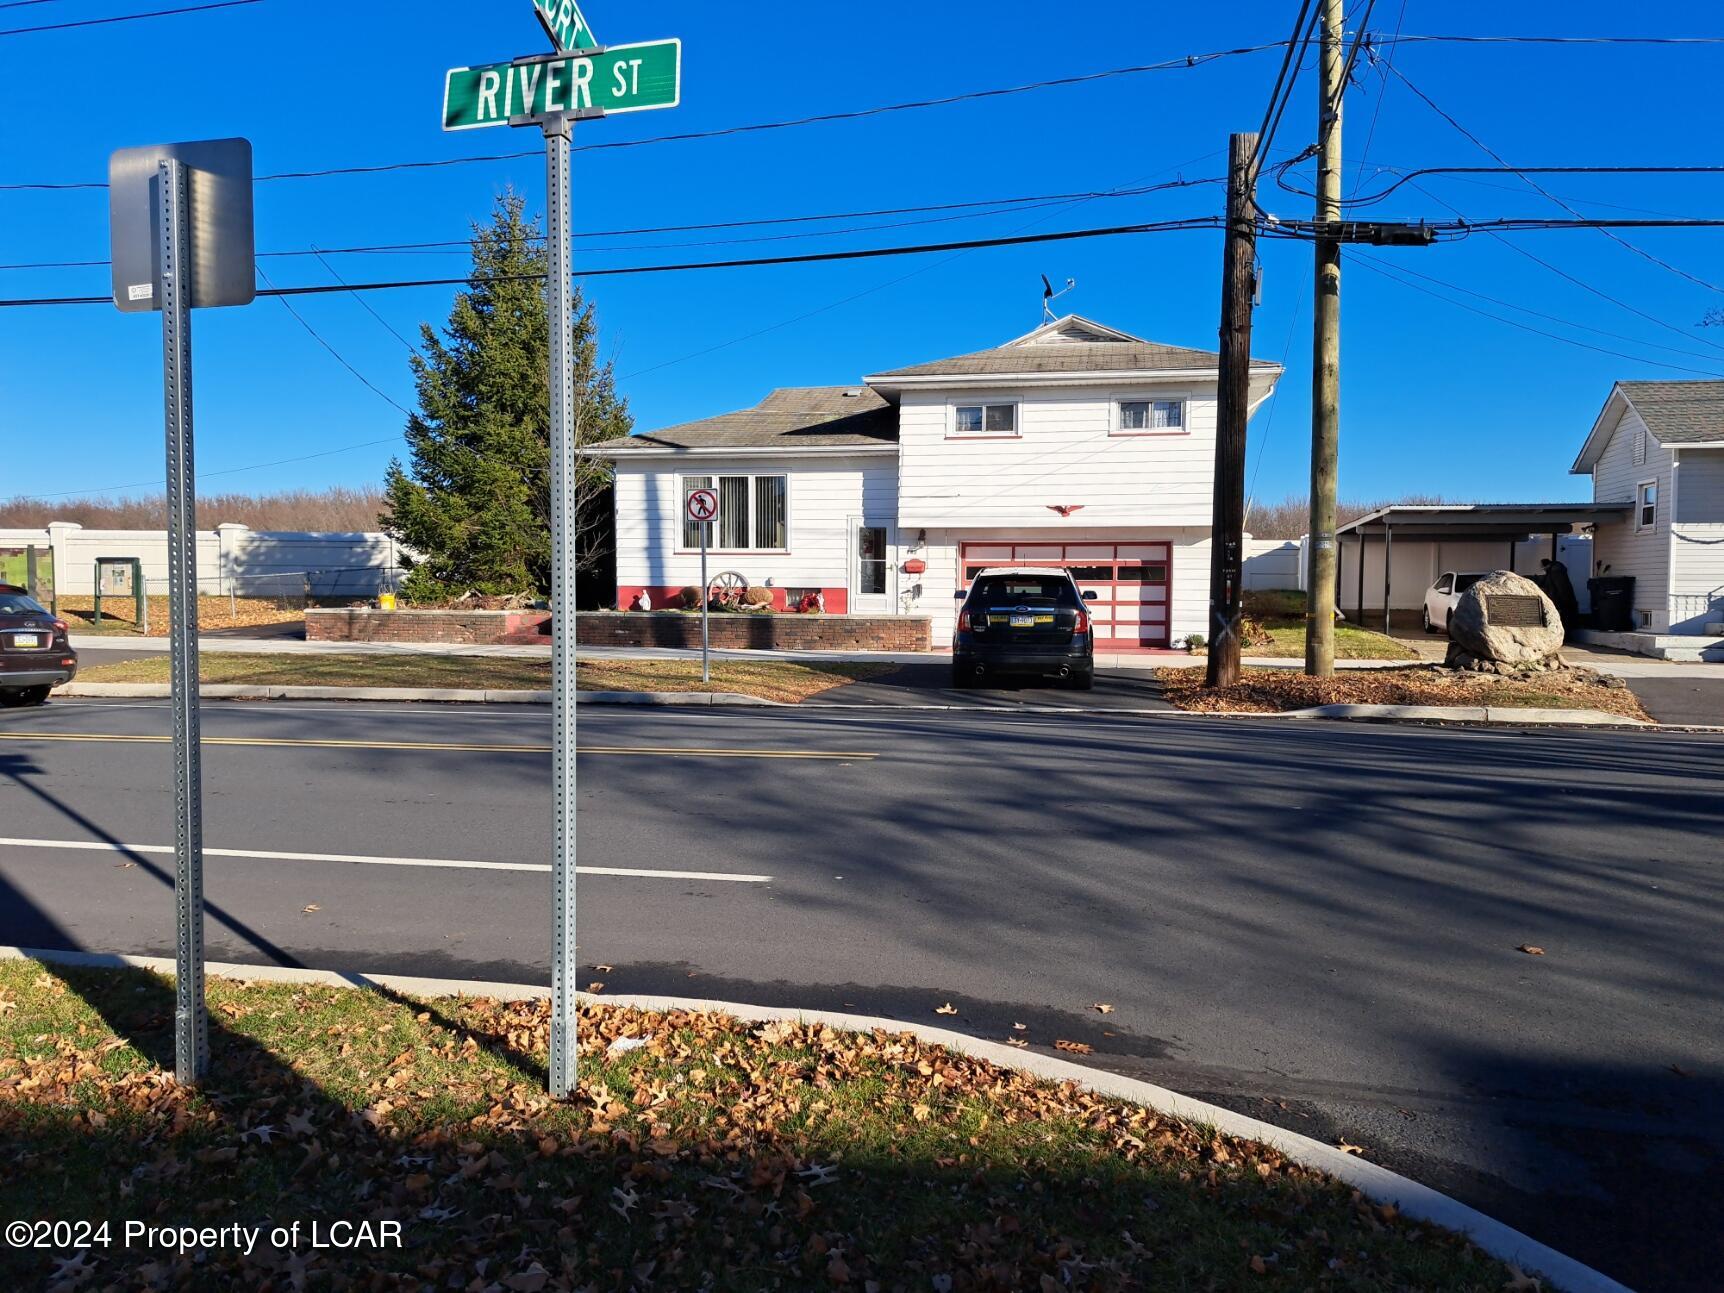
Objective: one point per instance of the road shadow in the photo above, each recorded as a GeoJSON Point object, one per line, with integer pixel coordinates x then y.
{"type": "Point", "coordinates": [931, 684]}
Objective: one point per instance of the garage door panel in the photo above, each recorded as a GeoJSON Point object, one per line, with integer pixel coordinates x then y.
{"type": "Point", "coordinates": [1129, 580]}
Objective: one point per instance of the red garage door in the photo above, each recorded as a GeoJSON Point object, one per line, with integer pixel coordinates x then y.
{"type": "Point", "coordinates": [1129, 580]}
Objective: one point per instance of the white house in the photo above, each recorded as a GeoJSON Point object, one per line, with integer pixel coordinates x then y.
{"type": "Point", "coordinates": [1660, 446]}
{"type": "Point", "coordinates": [1076, 445]}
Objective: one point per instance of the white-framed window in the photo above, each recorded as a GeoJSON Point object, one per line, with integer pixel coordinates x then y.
{"type": "Point", "coordinates": [753, 513]}
{"type": "Point", "coordinates": [1646, 509]}
{"type": "Point", "coordinates": [1149, 417]}
{"type": "Point", "coordinates": [984, 418]}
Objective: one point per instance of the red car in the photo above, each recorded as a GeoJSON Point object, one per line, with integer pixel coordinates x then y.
{"type": "Point", "coordinates": [35, 654]}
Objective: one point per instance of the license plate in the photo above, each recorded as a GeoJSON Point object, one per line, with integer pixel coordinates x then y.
{"type": "Point", "coordinates": [1023, 621]}
{"type": "Point", "coordinates": [26, 639]}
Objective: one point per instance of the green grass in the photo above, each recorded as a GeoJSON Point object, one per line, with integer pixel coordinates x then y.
{"type": "Point", "coordinates": [1280, 613]}
{"type": "Point", "coordinates": [720, 1155]}
{"type": "Point", "coordinates": [781, 680]}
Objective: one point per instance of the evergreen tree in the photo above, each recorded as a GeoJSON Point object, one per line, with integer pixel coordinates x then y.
{"type": "Point", "coordinates": [474, 501]}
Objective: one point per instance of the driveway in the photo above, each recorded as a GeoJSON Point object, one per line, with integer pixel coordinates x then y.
{"type": "Point", "coordinates": [1685, 697]}
{"type": "Point", "coordinates": [931, 684]}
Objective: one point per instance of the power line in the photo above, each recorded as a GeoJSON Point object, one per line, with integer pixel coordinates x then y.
{"type": "Point", "coordinates": [366, 305]}
{"type": "Point", "coordinates": [127, 17]}
{"type": "Point", "coordinates": [1543, 192]}
{"type": "Point", "coordinates": [339, 358]}
{"type": "Point", "coordinates": [867, 253]}
{"type": "Point", "coordinates": [1377, 268]}
{"type": "Point", "coordinates": [1292, 58]}
{"type": "Point", "coordinates": [1377, 108]}
{"type": "Point", "coordinates": [1004, 206]}
{"type": "Point", "coordinates": [1553, 40]}
{"type": "Point", "coordinates": [1182, 62]}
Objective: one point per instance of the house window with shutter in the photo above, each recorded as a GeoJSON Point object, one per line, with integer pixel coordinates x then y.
{"type": "Point", "coordinates": [753, 514]}
{"type": "Point", "coordinates": [1639, 448]}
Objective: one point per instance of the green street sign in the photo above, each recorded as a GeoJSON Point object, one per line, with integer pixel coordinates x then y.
{"type": "Point", "coordinates": [564, 24]}
{"type": "Point", "coordinates": [622, 78]}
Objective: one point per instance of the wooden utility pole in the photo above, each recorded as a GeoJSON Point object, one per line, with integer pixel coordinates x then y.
{"type": "Point", "coordinates": [1227, 538]}
{"type": "Point", "coordinates": [1323, 557]}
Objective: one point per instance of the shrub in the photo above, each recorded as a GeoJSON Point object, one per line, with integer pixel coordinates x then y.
{"type": "Point", "coordinates": [757, 595]}
{"type": "Point", "coordinates": [1195, 642]}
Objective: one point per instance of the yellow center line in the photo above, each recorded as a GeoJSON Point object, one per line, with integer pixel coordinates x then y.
{"type": "Point", "coordinates": [331, 743]}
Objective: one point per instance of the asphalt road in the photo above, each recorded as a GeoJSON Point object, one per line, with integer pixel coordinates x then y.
{"type": "Point", "coordinates": [1314, 923]}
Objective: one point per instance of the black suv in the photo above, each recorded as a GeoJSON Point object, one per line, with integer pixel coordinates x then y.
{"type": "Point", "coordinates": [1024, 620]}
{"type": "Point", "coordinates": [35, 655]}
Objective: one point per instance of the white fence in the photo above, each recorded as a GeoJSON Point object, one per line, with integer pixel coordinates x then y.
{"type": "Point", "coordinates": [232, 560]}
{"type": "Point", "coordinates": [1272, 563]}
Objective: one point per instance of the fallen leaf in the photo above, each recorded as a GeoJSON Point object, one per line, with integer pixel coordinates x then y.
{"type": "Point", "coordinates": [124, 866]}
{"type": "Point", "coordinates": [947, 1009]}
{"type": "Point", "coordinates": [1102, 1008]}
{"type": "Point", "coordinates": [1680, 1071]}
{"type": "Point", "coordinates": [1259, 1266]}
{"type": "Point", "coordinates": [311, 907]}
{"type": "Point", "coordinates": [921, 1112]}
{"type": "Point", "coordinates": [1521, 1282]}
{"type": "Point", "coordinates": [1076, 1048]}
{"type": "Point", "coordinates": [1530, 950]}
{"type": "Point", "coordinates": [595, 987]}
{"type": "Point", "coordinates": [1345, 1148]}
{"type": "Point", "coordinates": [604, 969]}
{"type": "Point", "coordinates": [1016, 1041]}
{"type": "Point", "coordinates": [1020, 1028]}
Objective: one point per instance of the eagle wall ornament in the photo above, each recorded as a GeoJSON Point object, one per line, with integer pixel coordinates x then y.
{"type": "Point", "coordinates": [1065, 509]}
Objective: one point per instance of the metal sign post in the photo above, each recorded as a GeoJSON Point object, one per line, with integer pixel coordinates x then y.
{"type": "Point", "coordinates": [563, 464]}
{"type": "Point", "coordinates": [703, 510]}
{"type": "Point", "coordinates": [180, 219]}
{"type": "Point", "coordinates": [191, 1024]}
{"type": "Point", "coordinates": [584, 80]}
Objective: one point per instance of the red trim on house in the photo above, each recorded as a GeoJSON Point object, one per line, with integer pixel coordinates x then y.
{"type": "Point", "coordinates": [1117, 595]}
{"type": "Point", "coordinates": [669, 596]}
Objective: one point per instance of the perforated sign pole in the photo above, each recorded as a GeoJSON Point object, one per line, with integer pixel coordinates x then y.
{"type": "Point", "coordinates": [702, 507]}
{"type": "Point", "coordinates": [191, 1024]}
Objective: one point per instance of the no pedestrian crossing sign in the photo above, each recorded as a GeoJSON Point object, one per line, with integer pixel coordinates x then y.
{"type": "Point", "coordinates": [702, 505]}
{"type": "Point", "coordinates": [620, 78]}
{"type": "Point", "coordinates": [564, 24]}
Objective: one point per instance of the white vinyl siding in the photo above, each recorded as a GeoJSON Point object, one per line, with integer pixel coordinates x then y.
{"type": "Point", "coordinates": [822, 499]}
{"type": "Point", "coordinates": [1697, 577]}
{"type": "Point", "coordinates": [1644, 554]}
{"type": "Point", "coordinates": [1066, 454]}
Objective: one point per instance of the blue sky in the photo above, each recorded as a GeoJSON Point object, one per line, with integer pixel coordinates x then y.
{"type": "Point", "coordinates": [1435, 399]}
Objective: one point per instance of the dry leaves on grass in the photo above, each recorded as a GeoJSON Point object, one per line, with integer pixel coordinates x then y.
{"type": "Point", "coordinates": [1269, 691]}
{"type": "Point", "coordinates": [783, 1149]}
{"type": "Point", "coordinates": [1530, 950]}
{"type": "Point", "coordinates": [1076, 1048]}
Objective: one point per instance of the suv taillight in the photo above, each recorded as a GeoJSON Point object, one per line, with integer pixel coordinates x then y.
{"type": "Point", "coordinates": [1082, 625]}
{"type": "Point", "coordinates": [60, 626]}
{"type": "Point", "coordinates": [963, 621]}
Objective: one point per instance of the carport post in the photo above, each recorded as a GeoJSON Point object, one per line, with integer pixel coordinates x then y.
{"type": "Point", "coordinates": [1513, 548]}
{"type": "Point", "coordinates": [1359, 600]}
{"type": "Point", "coordinates": [1388, 536]}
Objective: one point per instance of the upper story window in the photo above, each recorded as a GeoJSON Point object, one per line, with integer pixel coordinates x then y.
{"type": "Point", "coordinates": [1151, 415]}
{"type": "Point", "coordinates": [984, 419]}
{"type": "Point", "coordinates": [1646, 516]}
{"type": "Point", "coordinates": [752, 513]}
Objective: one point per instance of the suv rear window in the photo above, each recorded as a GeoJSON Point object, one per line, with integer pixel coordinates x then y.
{"type": "Point", "coordinates": [18, 604]}
{"type": "Point", "coordinates": [1025, 590]}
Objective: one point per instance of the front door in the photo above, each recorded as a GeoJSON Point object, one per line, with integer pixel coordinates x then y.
{"type": "Point", "coordinates": [870, 569]}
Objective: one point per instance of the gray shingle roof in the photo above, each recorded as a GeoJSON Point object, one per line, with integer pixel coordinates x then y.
{"type": "Point", "coordinates": [1067, 357]}
{"type": "Point", "coordinates": [791, 417]}
{"type": "Point", "coordinates": [1679, 412]}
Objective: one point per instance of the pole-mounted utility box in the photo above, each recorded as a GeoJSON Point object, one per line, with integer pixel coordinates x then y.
{"type": "Point", "coordinates": [122, 577]}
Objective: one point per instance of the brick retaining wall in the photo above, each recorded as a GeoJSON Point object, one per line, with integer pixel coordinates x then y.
{"type": "Point", "coordinates": [601, 628]}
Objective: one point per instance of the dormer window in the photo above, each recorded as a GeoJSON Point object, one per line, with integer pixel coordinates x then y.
{"type": "Point", "coordinates": [1148, 416]}
{"type": "Point", "coordinates": [984, 419]}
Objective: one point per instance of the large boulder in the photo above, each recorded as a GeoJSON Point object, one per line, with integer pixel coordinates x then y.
{"type": "Point", "coordinates": [1505, 623]}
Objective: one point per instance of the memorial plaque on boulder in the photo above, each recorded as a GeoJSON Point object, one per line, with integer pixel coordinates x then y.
{"type": "Point", "coordinates": [1505, 624]}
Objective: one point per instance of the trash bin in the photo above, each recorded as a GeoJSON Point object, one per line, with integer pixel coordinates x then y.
{"type": "Point", "coordinates": [1612, 603]}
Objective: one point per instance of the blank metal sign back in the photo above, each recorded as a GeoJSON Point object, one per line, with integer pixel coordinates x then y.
{"type": "Point", "coordinates": [223, 268]}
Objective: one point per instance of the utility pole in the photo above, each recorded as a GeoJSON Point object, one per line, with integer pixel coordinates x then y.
{"type": "Point", "coordinates": [1227, 537]}
{"type": "Point", "coordinates": [1323, 558]}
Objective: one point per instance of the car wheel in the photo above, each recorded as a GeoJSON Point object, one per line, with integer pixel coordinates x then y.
{"type": "Point", "coordinates": [24, 696]}
{"type": "Point", "coordinates": [1429, 627]}
{"type": "Point", "coordinates": [1082, 680]}
{"type": "Point", "coordinates": [961, 677]}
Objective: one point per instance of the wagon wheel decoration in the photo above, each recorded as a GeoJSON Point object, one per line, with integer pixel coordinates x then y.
{"type": "Point", "coordinates": [726, 587]}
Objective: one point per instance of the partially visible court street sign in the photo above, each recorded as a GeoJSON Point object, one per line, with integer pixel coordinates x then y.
{"type": "Point", "coordinates": [564, 24]}
{"type": "Point", "coordinates": [622, 78]}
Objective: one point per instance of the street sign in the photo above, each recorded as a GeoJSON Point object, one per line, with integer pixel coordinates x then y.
{"type": "Point", "coordinates": [563, 23]}
{"type": "Point", "coordinates": [621, 78]}
{"type": "Point", "coordinates": [223, 270]}
{"type": "Point", "coordinates": [702, 505]}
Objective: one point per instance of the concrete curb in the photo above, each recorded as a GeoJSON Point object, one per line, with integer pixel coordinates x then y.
{"type": "Point", "coordinates": [467, 695]}
{"type": "Point", "coordinates": [1499, 714]}
{"type": "Point", "coordinates": [1377, 1183]}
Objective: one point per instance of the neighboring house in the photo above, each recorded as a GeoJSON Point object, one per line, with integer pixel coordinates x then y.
{"type": "Point", "coordinates": [1660, 446]}
{"type": "Point", "coordinates": [1076, 445]}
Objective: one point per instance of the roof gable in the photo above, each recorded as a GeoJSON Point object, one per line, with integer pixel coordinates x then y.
{"type": "Point", "coordinates": [790, 418]}
{"type": "Point", "coordinates": [1073, 327]}
{"type": "Point", "coordinates": [1675, 413]}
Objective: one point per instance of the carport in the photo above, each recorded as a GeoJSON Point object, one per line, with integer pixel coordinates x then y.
{"type": "Point", "coordinates": [1400, 550]}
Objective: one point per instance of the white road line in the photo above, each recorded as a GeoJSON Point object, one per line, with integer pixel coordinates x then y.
{"type": "Point", "coordinates": [454, 864]}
